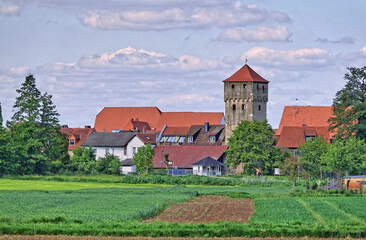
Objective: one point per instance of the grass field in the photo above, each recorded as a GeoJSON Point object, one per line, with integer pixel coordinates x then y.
{"type": "Point", "coordinates": [94, 208]}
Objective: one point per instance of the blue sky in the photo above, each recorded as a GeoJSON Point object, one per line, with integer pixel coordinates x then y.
{"type": "Point", "coordinates": [174, 54]}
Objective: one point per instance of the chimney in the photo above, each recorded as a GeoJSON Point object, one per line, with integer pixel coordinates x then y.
{"type": "Point", "coordinates": [87, 126]}
{"type": "Point", "coordinates": [207, 126]}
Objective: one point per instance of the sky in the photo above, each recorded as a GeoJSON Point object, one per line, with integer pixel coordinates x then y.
{"type": "Point", "coordinates": [174, 54]}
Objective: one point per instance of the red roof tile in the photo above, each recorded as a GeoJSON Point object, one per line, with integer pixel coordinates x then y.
{"type": "Point", "coordinates": [246, 74]}
{"type": "Point", "coordinates": [79, 134]}
{"type": "Point", "coordinates": [184, 156]}
{"type": "Point", "coordinates": [147, 137]}
{"type": "Point", "coordinates": [137, 125]}
{"type": "Point", "coordinates": [176, 131]}
{"type": "Point", "coordinates": [293, 137]}
{"type": "Point", "coordinates": [310, 116]}
{"type": "Point", "coordinates": [119, 117]}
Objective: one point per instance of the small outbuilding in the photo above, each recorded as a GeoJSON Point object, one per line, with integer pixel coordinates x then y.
{"type": "Point", "coordinates": [208, 167]}
{"type": "Point", "coordinates": [355, 183]}
{"type": "Point", "coordinates": [127, 166]}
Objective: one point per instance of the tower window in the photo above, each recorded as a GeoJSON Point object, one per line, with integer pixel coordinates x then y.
{"type": "Point", "coordinates": [234, 107]}
{"type": "Point", "coordinates": [244, 86]}
{"type": "Point", "coordinates": [243, 107]}
{"type": "Point", "coordinates": [263, 88]}
{"type": "Point", "coordinates": [259, 107]}
{"type": "Point", "coordinates": [257, 87]}
{"type": "Point", "coordinates": [232, 86]}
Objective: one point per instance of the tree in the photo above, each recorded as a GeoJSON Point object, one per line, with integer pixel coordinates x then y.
{"type": "Point", "coordinates": [143, 158]}
{"type": "Point", "coordinates": [27, 104]}
{"type": "Point", "coordinates": [83, 161]}
{"type": "Point", "coordinates": [1, 117]}
{"type": "Point", "coordinates": [312, 152]}
{"type": "Point", "coordinates": [292, 166]}
{"type": "Point", "coordinates": [348, 155]}
{"type": "Point", "coordinates": [350, 106]}
{"type": "Point", "coordinates": [252, 144]}
{"type": "Point", "coordinates": [109, 164]}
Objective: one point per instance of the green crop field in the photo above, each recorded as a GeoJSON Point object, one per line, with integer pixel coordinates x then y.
{"type": "Point", "coordinates": [116, 209]}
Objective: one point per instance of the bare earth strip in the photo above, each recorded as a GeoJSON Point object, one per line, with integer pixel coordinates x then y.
{"type": "Point", "coordinates": [41, 237]}
{"type": "Point", "coordinates": [208, 209]}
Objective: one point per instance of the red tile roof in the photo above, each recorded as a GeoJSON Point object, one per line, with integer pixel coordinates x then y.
{"type": "Point", "coordinates": [184, 156]}
{"type": "Point", "coordinates": [187, 119]}
{"type": "Point", "coordinates": [79, 134]}
{"type": "Point", "coordinates": [119, 117]}
{"type": "Point", "coordinates": [147, 137]}
{"type": "Point", "coordinates": [137, 125]}
{"type": "Point", "coordinates": [176, 131]}
{"type": "Point", "coordinates": [246, 74]}
{"type": "Point", "coordinates": [310, 116]}
{"type": "Point", "coordinates": [293, 137]}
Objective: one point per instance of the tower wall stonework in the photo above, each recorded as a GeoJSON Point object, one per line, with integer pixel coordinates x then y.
{"type": "Point", "coordinates": [244, 101]}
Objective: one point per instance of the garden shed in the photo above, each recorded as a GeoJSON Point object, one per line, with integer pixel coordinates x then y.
{"type": "Point", "coordinates": [208, 166]}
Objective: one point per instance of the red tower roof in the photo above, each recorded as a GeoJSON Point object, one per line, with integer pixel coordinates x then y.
{"type": "Point", "coordinates": [246, 74]}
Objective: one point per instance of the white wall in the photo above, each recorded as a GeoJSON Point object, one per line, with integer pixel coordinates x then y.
{"type": "Point", "coordinates": [116, 151]}
{"type": "Point", "coordinates": [134, 142]}
{"type": "Point", "coordinates": [128, 169]}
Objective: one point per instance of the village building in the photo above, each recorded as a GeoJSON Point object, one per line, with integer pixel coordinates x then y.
{"type": "Point", "coordinates": [300, 124]}
{"type": "Point", "coordinates": [76, 136]}
{"type": "Point", "coordinates": [181, 158]}
{"type": "Point", "coordinates": [246, 97]}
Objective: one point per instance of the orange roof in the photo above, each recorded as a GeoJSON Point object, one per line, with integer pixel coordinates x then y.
{"type": "Point", "coordinates": [246, 74]}
{"type": "Point", "coordinates": [118, 117]}
{"type": "Point", "coordinates": [293, 137]}
{"type": "Point", "coordinates": [187, 119]}
{"type": "Point", "coordinates": [176, 131]}
{"type": "Point", "coordinates": [137, 125]}
{"type": "Point", "coordinates": [310, 116]}
{"type": "Point", "coordinates": [79, 134]}
{"type": "Point", "coordinates": [184, 156]}
{"type": "Point", "coordinates": [147, 137]}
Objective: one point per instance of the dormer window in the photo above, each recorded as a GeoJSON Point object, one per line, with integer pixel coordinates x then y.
{"type": "Point", "coordinates": [72, 142]}
{"type": "Point", "coordinates": [190, 139]}
{"type": "Point", "coordinates": [212, 139]}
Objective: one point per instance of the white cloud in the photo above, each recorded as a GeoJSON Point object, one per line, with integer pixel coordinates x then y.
{"type": "Point", "coordinates": [9, 9]}
{"type": "Point", "coordinates": [229, 15]}
{"type": "Point", "coordinates": [186, 98]}
{"type": "Point", "coordinates": [19, 71]}
{"type": "Point", "coordinates": [260, 34]}
{"type": "Point", "coordinates": [306, 57]}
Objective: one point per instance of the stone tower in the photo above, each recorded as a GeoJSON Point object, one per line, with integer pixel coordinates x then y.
{"type": "Point", "coordinates": [246, 97]}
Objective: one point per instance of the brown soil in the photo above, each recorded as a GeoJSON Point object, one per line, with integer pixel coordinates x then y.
{"type": "Point", "coordinates": [40, 237]}
{"type": "Point", "coordinates": [207, 209]}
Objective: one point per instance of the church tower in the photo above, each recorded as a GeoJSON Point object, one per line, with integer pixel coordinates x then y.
{"type": "Point", "coordinates": [246, 97]}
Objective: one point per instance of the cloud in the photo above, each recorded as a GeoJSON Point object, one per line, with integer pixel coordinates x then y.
{"type": "Point", "coordinates": [186, 98]}
{"type": "Point", "coordinates": [19, 71]}
{"type": "Point", "coordinates": [260, 34]}
{"type": "Point", "coordinates": [306, 57]}
{"type": "Point", "coordinates": [344, 40]}
{"type": "Point", "coordinates": [230, 15]}
{"type": "Point", "coordinates": [9, 9]}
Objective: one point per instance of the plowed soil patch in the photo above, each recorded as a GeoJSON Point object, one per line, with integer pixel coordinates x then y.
{"type": "Point", "coordinates": [207, 209]}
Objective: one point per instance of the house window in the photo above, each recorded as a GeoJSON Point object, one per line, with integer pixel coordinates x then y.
{"type": "Point", "coordinates": [212, 139]}
{"type": "Point", "coordinates": [244, 86]}
{"type": "Point", "coordinates": [72, 142]}
{"type": "Point", "coordinates": [257, 87]}
{"type": "Point", "coordinates": [135, 149]}
{"type": "Point", "coordinates": [190, 139]}
{"type": "Point", "coordinates": [107, 151]}
{"type": "Point", "coordinates": [308, 138]}
{"type": "Point", "coordinates": [95, 151]}
{"type": "Point", "coordinates": [232, 86]}
{"type": "Point", "coordinates": [259, 107]}
{"type": "Point", "coordinates": [243, 107]}
{"type": "Point", "coordinates": [234, 107]}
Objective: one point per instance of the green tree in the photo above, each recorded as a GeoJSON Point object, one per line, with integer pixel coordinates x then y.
{"type": "Point", "coordinates": [1, 117]}
{"type": "Point", "coordinates": [252, 144]}
{"type": "Point", "coordinates": [348, 155]}
{"type": "Point", "coordinates": [28, 103]}
{"type": "Point", "coordinates": [312, 152]}
{"type": "Point", "coordinates": [6, 154]}
{"type": "Point", "coordinates": [292, 167]}
{"type": "Point", "coordinates": [350, 106]}
{"type": "Point", "coordinates": [109, 164]}
{"type": "Point", "coordinates": [143, 158]}
{"type": "Point", "coordinates": [83, 161]}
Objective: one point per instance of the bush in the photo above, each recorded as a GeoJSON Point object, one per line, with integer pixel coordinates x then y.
{"type": "Point", "coordinates": [109, 164]}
